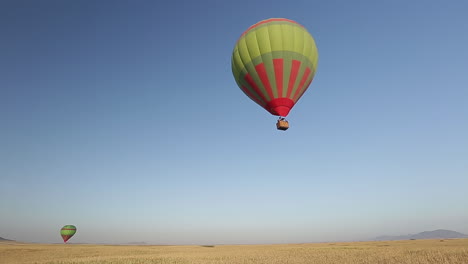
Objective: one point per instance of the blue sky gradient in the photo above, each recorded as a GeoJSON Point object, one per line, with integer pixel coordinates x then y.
{"type": "Point", "coordinates": [123, 118]}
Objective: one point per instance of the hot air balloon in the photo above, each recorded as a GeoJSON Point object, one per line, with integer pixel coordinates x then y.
{"type": "Point", "coordinates": [67, 232]}
{"type": "Point", "coordinates": [273, 63]}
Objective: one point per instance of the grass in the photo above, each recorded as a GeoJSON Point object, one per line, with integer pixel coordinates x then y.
{"type": "Point", "coordinates": [452, 251]}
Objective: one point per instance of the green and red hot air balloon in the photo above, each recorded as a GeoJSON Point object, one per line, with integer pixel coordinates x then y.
{"type": "Point", "coordinates": [67, 232]}
{"type": "Point", "coordinates": [273, 63]}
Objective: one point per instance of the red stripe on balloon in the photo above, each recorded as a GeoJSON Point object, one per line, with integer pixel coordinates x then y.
{"type": "Point", "coordinates": [303, 91]}
{"type": "Point", "coordinates": [252, 96]}
{"type": "Point", "coordinates": [292, 77]}
{"type": "Point", "coordinates": [252, 84]}
{"type": "Point", "coordinates": [261, 71]}
{"type": "Point", "coordinates": [301, 84]}
{"type": "Point", "coordinates": [278, 65]}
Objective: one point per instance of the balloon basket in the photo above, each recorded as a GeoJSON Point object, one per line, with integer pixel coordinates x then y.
{"type": "Point", "coordinates": [282, 124]}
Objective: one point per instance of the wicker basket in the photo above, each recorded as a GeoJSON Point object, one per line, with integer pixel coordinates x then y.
{"type": "Point", "coordinates": [282, 125]}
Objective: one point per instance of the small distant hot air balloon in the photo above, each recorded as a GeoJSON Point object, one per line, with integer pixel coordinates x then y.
{"type": "Point", "coordinates": [273, 63]}
{"type": "Point", "coordinates": [67, 232]}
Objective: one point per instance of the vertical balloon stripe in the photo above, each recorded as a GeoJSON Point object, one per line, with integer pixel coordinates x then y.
{"type": "Point", "coordinates": [307, 44]}
{"type": "Point", "coordinates": [264, 78]}
{"type": "Point", "coordinates": [252, 96]}
{"type": "Point", "coordinates": [253, 49]}
{"type": "Point", "coordinates": [252, 84]}
{"type": "Point", "coordinates": [252, 46]}
{"type": "Point", "coordinates": [270, 70]}
{"type": "Point", "coordinates": [301, 84]}
{"type": "Point", "coordinates": [276, 37]}
{"type": "Point", "coordinates": [287, 66]}
{"type": "Point", "coordinates": [298, 40]}
{"type": "Point", "coordinates": [264, 67]}
{"type": "Point", "coordinates": [287, 37]}
{"type": "Point", "coordinates": [303, 91]}
{"type": "Point", "coordinates": [263, 40]}
{"type": "Point", "coordinates": [278, 64]}
{"type": "Point", "coordinates": [292, 77]}
{"type": "Point", "coordinates": [249, 90]}
{"type": "Point", "coordinates": [236, 63]}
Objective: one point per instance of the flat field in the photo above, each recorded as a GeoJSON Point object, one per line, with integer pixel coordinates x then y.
{"type": "Point", "coordinates": [448, 251]}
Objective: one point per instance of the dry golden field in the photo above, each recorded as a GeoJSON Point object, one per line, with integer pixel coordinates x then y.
{"type": "Point", "coordinates": [451, 251]}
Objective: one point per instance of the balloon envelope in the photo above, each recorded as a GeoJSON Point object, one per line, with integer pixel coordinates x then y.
{"type": "Point", "coordinates": [67, 232]}
{"type": "Point", "coordinates": [274, 62]}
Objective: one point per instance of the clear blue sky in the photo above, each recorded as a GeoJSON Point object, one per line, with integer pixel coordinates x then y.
{"type": "Point", "coordinates": [123, 118]}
